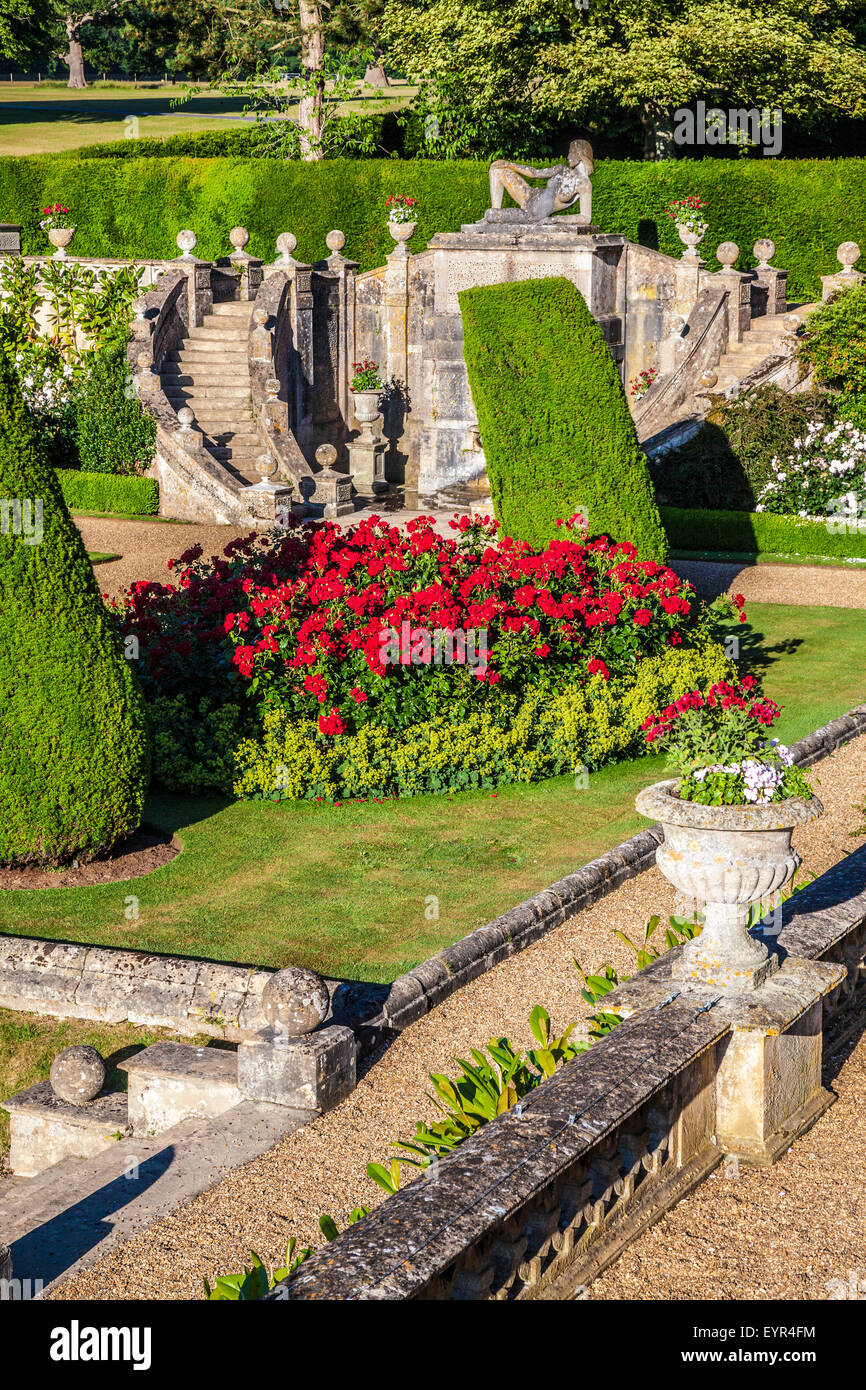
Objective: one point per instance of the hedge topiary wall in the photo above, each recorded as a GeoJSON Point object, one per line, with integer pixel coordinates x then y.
{"type": "Point", "coordinates": [555, 425]}
{"type": "Point", "coordinates": [127, 207]}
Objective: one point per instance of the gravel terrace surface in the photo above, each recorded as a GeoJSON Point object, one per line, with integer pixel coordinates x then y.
{"type": "Point", "coordinates": [843, 586]}
{"type": "Point", "coordinates": [145, 547]}
{"type": "Point", "coordinates": [322, 1167]}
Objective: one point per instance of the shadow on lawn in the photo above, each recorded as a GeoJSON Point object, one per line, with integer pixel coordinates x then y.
{"type": "Point", "coordinates": [755, 656]}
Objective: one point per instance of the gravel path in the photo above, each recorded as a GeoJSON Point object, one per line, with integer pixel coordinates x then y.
{"type": "Point", "coordinates": [838, 585]}
{"type": "Point", "coordinates": [322, 1167]}
{"type": "Point", "coordinates": [146, 546]}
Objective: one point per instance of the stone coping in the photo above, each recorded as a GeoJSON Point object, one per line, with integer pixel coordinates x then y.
{"type": "Point", "coordinates": [40, 1099]}
{"type": "Point", "coordinates": [414, 1236]}
{"type": "Point", "coordinates": [659, 802]}
{"type": "Point", "coordinates": [181, 1061]}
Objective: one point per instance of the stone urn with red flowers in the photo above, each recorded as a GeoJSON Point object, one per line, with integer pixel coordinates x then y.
{"type": "Point", "coordinates": [728, 819]}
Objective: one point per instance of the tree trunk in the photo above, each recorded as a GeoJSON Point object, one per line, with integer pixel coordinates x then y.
{"type": "Point", "coordinates": [376, 76]}
{"type": "Point", "coordinates": [74, 58]}
{"type": "Point", "coordinates": [311, 109]}
{"type": "Point", "coordinates": [658, 134]}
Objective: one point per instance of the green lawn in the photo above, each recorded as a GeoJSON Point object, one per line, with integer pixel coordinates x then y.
{"type": "Point", "coordinates": [37, 118]}
{"type": "Point", "coordinates": [350, 890]}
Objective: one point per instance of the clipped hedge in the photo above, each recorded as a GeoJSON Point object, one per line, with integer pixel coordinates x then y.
{"type": "Point", "coordinates": [108, 492]}
{"type": "Point", "coordinates": [135, 206]}
{"type": "Point", "coordinates": [555, 424]}
{"type": "Point", "coordinates": [75, 762]}
{"type": "Point", "coordinates": [583, 725]}
{"type": "Point", "coordinates": [694, 529]}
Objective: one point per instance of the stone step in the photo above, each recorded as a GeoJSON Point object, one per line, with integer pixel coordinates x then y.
{"type": "Point", "coordinates": [232, 308]}
{"type": "Point", "coordinates": [244, 440]}
{"type": "Point", "coordinates": [214, 396]}
{"type": "Point", "coordinates": [217, 375]}
{"type": "Point", "coordinates": [214, 336]}
{"type": "Point", "coordinates": [227, 425]}
{"type": "Point", "coordinates": [172, 1082]}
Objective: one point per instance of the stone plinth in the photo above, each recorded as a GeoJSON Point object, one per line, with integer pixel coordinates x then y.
{"type": "Point", "coordinates": [45, 1129]}
{"type": "Point", "coordinates": [498, 249]}
{"type": "Point", "coordinates": [367, 464]}
{"type": "Point", "coordinates": [768, 1083]}
{"type": "Point", "coordinates": [170, 1082]}
{"type": "Point", "coordinates": [314, 1072]}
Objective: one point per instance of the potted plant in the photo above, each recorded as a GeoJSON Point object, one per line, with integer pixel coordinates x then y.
{"type": "Point", "coordinates": [402, 219]}
{"type": "Point", "coordinates": [727, 819]}
{"type": "Point", "coordinates": [57, 223]}
{"type": "Point", "coordinates": [366, 387]}
{"type": "Point", "coordinates": [687, 214]}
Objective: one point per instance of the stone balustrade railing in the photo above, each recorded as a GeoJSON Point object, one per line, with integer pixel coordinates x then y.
{"type": "Point", "coordinates": [541, 1200]}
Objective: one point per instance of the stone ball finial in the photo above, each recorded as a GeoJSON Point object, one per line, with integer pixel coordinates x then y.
{"type": "Point", "coordinates": [144, 361]}
{"type": "Point", "coordinates": [286, 243]}
{"type": "Point", "coordinates": [272, 387]}
{"type": "Point", "coordinates": [295, 1001]}
{"type": "Point", "coordinates": [186, 418]}
{"type": "Point", "coordinates": [792, 322]}
{"type": "Point", "coordinates": [139, 307]}
{"type": "Point", "coordinates": [728, 253]}
{"type": "Point", "coordinates": [335, 241]}
{"type": "Point", "coordinates": [848, 254]}
{"type": "Point", "coordinates": [187, 240]}
{"type": "Point", "coordinates": [326, 455]}
{"type": "Point", "coordinates": [260, 316]}
{"type": "Point", "coordinates": [239, 236]}
{"type": "Point", "coordinates": [764, 250]}
{"type": "Point", "coordinates": [77, 1074]}
{"type": "Point", "coordinates": [708, 380]}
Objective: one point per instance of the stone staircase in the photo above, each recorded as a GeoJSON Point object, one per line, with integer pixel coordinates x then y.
{"type": "Point", "coordinates": [762, 340]}
{"type": "Point", "coordinates": [210, 374]}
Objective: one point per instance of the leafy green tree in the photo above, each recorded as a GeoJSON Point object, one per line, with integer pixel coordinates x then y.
{"type": "Point", "coordinates": [492, 71]}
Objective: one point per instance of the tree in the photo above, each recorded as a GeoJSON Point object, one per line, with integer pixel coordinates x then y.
{"type": "Point", "coordinates": [52, 28]}
{"type": "Point", "coordinates": [497, 69]}
{"type": "Point", "coordinates": [74, 767]}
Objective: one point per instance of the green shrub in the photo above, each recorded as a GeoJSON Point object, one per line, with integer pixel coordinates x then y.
{"type": "Point", "coordinates": [193, 746]}
{"type": "Point", "coordinates": [106, 492]}
{"type": "Point", "coordinates": [582, 725]}
{"type": "Point", "coordinates": [74, 767]}
{"type": "Point", "coordinates": [728, 461]}
{"type": "Point", "coordinates": [114, 433]}
{"type": "Point", "coordinates": [133, 206]}
{"type": "Point", "coordinates": [555, 426]}
{"type": "Point", "coordinates": [834, 343]}
{"type": "Point", "coordinates": [694, 529]}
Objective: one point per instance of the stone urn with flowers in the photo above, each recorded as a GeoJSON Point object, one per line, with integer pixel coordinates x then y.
{"type": "Point", "coordinates": [728, 819]}
{"type": "Point", "coordinates": [402, 220]}
{"type": "Point", "coordinates": [687, 214]}
{"type": "Point", "coordinates": [366, 387]}
{"type": "Point", "coordinates": [57, 223]}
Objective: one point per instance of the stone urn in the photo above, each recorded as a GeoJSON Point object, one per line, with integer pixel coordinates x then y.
{"type": "Point", "coordinates": [726, 858]}
{"type": "Point", "coordinates": [691, 240]}
{"type": "Point", "coordinates": [366, 405]}
{"type": "Point", "coordinates": [60, 238]}
{"type": "Point", "coordinates": [402, 232]}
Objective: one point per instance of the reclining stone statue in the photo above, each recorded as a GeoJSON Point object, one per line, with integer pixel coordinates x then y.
{"type": "Point", "coordinates": [566, 184]}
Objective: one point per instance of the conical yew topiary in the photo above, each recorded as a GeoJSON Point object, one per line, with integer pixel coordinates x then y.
{"type": "Point", "coordinates": [73, 743]}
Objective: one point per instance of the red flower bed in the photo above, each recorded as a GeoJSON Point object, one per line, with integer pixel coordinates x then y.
{"type": "Point", "coordinates": [302, 619]}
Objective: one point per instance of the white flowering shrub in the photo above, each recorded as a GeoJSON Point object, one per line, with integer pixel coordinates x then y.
{"type": "Point", "coordinates": [824, 474]}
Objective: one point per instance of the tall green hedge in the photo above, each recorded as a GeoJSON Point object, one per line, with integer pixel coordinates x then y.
{"type": "Point", "coordinates": [135, 207]}
{"type": "Point", "coordinates": [73, 738]}
{"type": "Point", "coordinates": [755, 533]}
{"type": "Point", "coordinates": [555, 425]}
